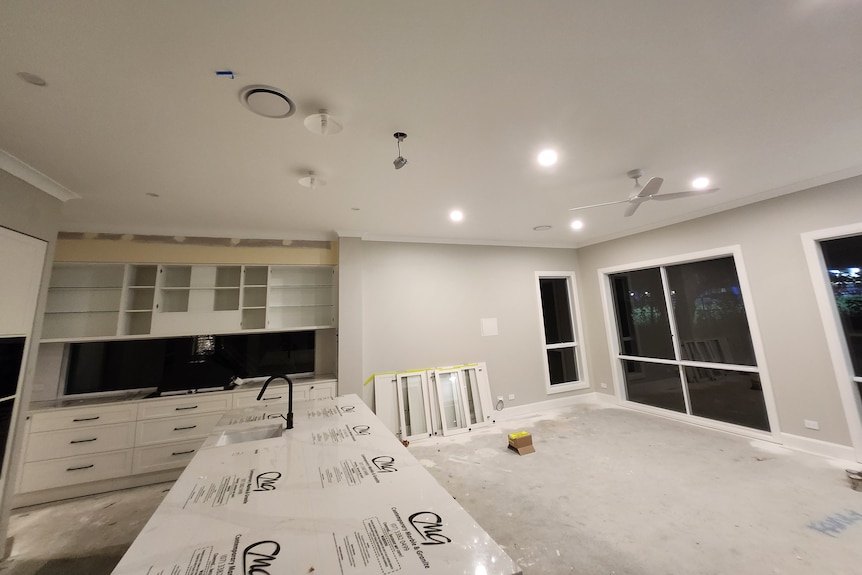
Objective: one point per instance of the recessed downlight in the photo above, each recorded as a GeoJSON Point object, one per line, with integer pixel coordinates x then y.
{"type": "Point", "coordinates": [700, 183]}
{"type": "Point", "coordinates": [541, 228]}
{"type": "Point", "coordinates": [267, 101]}
{"type": "Point", "coordinates": [547, 157]}
{"type": "Point", "coordinates": [577, 225]}
{"type": "Point", "coordinates": [456, 215]}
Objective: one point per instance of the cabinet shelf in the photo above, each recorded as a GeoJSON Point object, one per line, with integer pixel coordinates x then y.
{"type": "Point", "coordinates": [115, 301]}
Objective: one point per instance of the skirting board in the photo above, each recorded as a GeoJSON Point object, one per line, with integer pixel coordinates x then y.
{"type": "Point", "coordinates": [542, 406]}
{"type": "Point", "coordinates": [93, 488]}
{"type": "Point", "coordinates": [817, 447]}
{"type": "Point", "coordinates": [788, 440]}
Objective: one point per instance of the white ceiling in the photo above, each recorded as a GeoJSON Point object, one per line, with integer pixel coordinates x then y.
{"type": "Point", "coordinates": [764, 97]}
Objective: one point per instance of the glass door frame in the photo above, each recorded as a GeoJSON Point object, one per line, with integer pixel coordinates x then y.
{"type": "Point", "coordinates": [833, 330]}
{"type": "Point", "coordinates": [617, 358]}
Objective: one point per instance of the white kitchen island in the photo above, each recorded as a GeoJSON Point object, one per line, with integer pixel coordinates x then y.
{"type": "Point", "coordinates": [337, 494]}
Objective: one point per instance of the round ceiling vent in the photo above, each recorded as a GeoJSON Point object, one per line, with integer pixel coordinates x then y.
{"type": "Point", "coordinates": [267, 101]}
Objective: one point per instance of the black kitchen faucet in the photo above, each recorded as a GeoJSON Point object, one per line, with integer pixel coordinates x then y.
{"type": "Point", "coordinates": [289, 417]}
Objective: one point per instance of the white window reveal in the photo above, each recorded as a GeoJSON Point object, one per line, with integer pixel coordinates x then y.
{"type": "Point", "coordinates": [564, 369]}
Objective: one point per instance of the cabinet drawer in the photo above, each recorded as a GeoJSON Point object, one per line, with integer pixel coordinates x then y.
{"type": "Point", "coordinates": [273, 395]}
{"type": "Point", "coordinates": [175, 428]}
{"type": "Point", "coordinates": [168, 456]}
{"type": "Point", "coordinates": [194, 405]}
{"type": "Point", "coordinates": [70, 442]}
{"type": "Point", "coordinates": [39, 475]}
{"type": "Point", "coordinates": [73, 417]}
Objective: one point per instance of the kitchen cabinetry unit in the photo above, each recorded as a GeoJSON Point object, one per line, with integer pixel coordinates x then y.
{"type": "Point", "coordinates": [74, 451]}
{"type": "Point", "coordinates": [107, 301]}
{"type": "Point", "coordinates": [78, 445]}
{"type": "Point", "coordinates": [273, 394]}
{"type": "Point", "coordinates": [83, 301]}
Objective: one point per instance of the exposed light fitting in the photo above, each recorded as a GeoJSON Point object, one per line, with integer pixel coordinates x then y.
{"type": "Point", "coordinates": [32, 79]}
{"type": "Point", "coordinates": [323, 124]}
{"type": "Point", "coordinates": [267, 101]}
{"type": "Point", "coordinates": [547, 157]}
{"type": "Point", "coordinates": [456, 215]}
{"type": "Point", "coordinates": [399, 162]}
{"type": "Point", "coordinates": [700, 183]}
{"type": "Point", "coordinates": [311, 181]}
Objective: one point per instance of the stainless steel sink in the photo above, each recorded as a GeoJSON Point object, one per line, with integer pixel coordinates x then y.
{"type": "Point", "coordinates": [230, 437]}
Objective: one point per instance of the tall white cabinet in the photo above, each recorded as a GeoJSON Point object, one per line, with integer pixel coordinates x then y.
{"type": "Point", "coordinates": [23, 258]}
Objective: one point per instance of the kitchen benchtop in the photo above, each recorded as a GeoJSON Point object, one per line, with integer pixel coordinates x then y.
{"type": "Point", "coordinates": [146, 393]}
{"type": "Point", "coordinates": [337, 494]}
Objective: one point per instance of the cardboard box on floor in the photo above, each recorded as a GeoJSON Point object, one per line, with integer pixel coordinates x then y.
{"type": "Point", "coordinates": [521, 442]}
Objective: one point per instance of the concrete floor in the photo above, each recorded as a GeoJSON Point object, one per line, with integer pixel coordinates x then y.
{"type": "Point", "coordinates": [608, 491]}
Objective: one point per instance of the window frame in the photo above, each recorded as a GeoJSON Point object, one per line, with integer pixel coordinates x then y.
{"type": "Point", "coordinates": [577, 330]}
{"type": "Point", "coordinates": [845, 376]}
{"type": "Point", "coordinates": [615, 354]}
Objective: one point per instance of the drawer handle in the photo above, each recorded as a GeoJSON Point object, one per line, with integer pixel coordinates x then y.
{"type": "Point", "coordinates": [83, 440]}
{"type": "Point", "coordinates": [186, 427]}
{"type": "Point", "coordinates": [269, 398]}
{"type": "Point", "coordinates": [185, 408]}
{"type": "Point", "coordinates": [77, 419]}
{"type": "Point", "coordinates": [79, 468]}
{"type": "Point", "coordinates": [183, 452]}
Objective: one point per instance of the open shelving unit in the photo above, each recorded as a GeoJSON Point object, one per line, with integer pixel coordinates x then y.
{"type": "Point", "coordinates": [89, 301]}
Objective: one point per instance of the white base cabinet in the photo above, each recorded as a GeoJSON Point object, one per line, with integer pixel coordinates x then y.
{"type": "Point", "coordinates": [74, 451]}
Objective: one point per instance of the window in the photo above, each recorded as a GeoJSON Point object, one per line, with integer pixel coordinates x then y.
{"type": "Point", "coordinates": [843, 259]}
{"type": "Point", "coordinates": [563, 368]}
{"type": "Point", "coordinates": [685, 344]}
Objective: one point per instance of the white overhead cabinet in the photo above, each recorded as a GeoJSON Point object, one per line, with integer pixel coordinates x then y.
{"type": "Point", "coordinates": [103, 301]}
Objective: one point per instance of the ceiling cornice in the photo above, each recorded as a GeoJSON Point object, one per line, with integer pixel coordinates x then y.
{"type": "Point", "coordinates": [29, 174]}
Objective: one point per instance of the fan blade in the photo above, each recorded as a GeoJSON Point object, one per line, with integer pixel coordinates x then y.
{"type": "Point", "coordinates": [598, 205]}
{"type": "Point", "coordinates": [686, 194]}
{"type": "Point", "coordinates": [633, 206]}
{"type": "Point", "coordinates": [650, 188]}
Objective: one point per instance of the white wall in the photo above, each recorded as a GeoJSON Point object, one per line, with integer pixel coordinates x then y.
{"type": "Point", "coordinates": [421, 306]}
{"type": "Point", "coordinates": [768, 232]}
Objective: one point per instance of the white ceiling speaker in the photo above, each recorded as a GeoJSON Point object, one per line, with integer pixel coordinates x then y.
{"type": "Point", "coordinates": [399, 162]}
{"type": "Point", "coordinates": [311, 181]}
{"type": "Point", "coordinates": [323, 124]}
{"type": "Point", "coordinates": [267, 101]}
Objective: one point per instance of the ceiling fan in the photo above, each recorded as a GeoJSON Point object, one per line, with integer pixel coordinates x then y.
{"type": "Point", "coordinates": [645, 193]}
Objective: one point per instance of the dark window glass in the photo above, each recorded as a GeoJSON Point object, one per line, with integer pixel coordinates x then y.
{"type": "Point", "coordinates": [562, 365]}
{"type": "Point", "coordinates": [642, 314]}
{"type": "Point", "coordinates": [11, 354]}
{"type": "Point", "coordinates": [710, 316]}
{"type": "Point", "coordinates": [724, 395]}
{"type": "Point", "coordinates": [843, 257]}
{"type": "Point", "coordinates": [654, 384]}
{"type": "Point", "coordinates": [5, 419]}
{"type": "Point", "coordinates": [556, 310]}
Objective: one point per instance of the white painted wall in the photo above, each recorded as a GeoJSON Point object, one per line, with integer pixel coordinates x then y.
{"type": "Point", "coordinates": [798, 360]}
{"type": "Point", "coordinates": [422, 306]}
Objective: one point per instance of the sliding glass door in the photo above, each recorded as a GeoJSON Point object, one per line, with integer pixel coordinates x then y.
{"type": "Point", "coordinates": [685, 343]}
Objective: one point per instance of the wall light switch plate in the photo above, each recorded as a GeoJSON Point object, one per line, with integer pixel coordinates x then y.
{"type": "Point", "coordinates": [511, 396]}
{"type": "Point", "coordinates": [604, 385]}
{"type": "Point", "coordinates": [811, 424]}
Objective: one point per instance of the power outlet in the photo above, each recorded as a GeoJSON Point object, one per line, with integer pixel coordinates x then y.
{"type": "Point", "coordinates": [604, 385]}
{"type": "Point", "coordinates": [811, 424]}
{"type": "Point", "coordinates": [511, 397]}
